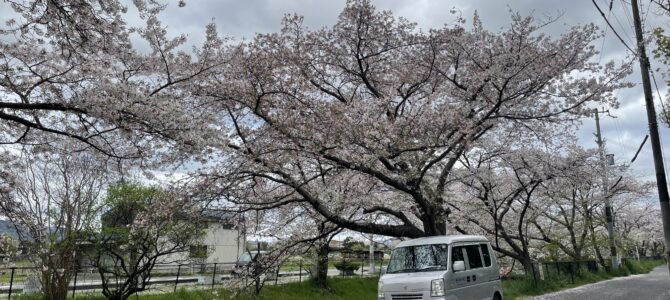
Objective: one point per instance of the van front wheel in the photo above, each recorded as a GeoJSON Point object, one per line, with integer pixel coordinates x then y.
{"type": "Point", "coordinates": [497, 296]}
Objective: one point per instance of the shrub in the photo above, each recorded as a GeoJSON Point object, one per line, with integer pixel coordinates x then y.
{"type": "Point", "coordinates": [347, 267]}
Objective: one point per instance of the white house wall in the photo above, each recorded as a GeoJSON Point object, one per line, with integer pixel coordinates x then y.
{"type": "Point", "coordinates": [223, 245]}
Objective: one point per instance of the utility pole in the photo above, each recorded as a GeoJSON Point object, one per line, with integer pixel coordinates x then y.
{"type": "Point", "coordinates": [606, 196]}
{"type": "Point", "coordinates": [661, 180]}
{"type": "Point", "coordinates": [371, 268]}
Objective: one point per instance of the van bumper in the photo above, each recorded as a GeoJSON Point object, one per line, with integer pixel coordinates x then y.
{"type": "Point", "coordinates": [423, 296]}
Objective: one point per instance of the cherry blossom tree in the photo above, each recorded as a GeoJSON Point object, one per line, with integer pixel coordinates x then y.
{"type": "Point", "coordinates": [52, 203]}
{"type": "Point", "coordinates": [537, 204]}
{"type": "Point", "coordinates": [662, 51]}
{"type": "Point", "coordinates": [640, 230]}
{"type": "Point", "coordinates": [376, 102]}
{"type": "Point", "coordinates": [499, 198]}
{"type": "Point", "coordinates": [296, 231]}
{"type": "Point", "coordinates": [68, 69]}
{"type": "Point", "coordinates": [574, 209]}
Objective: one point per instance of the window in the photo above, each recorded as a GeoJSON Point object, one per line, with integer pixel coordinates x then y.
{"type": "Point", "coordinates": [420, 258]}
{"type": "Point", "coordinates": [457, 254]}
{"type": "Point", "coordinates": [486, 255]}
{"type": "Point", "coordinates": [474, 257]}
{"type": "Point", "coordinates": [198, 251]}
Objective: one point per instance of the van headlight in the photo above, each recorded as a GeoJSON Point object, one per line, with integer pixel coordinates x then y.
{"type": "Point", "coordinates": [380, 290]}
{"type": "Point", "coordinates": [437, 287]}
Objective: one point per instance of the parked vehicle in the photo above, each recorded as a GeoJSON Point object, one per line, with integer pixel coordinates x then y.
{"type": "Point", "coordinates": [457, 267]}
{"type": "Point", "coordinates": [251, 264]}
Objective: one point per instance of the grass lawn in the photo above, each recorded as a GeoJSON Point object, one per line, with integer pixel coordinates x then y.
{"type": "Point", "coordinates": [526, 286]}
{"type": "Point", "coordinates": [342, 289]}
{"type": "Point", "coordinates": [354, 288]}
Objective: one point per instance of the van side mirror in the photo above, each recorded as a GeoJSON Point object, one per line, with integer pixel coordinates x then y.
{"type": "Point", "coordinates": [383, 269]}
{"type": "Point", "coordinates": [459, 265]}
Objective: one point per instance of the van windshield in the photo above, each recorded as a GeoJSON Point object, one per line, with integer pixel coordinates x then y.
{"type": "Point", "coordinates": [420, 258]}
{"type": "Point", "coordinates": [247, 257]}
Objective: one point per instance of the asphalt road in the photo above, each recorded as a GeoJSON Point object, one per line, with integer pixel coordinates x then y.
{"type": "Point", "coordinates": [652, 286]}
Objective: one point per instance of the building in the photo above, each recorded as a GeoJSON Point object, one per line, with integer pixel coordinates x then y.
{"type": "Point", "coordinates": [223, 242]}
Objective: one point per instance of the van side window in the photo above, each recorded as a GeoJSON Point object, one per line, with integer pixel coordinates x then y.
{"type": "Point", "coordinates": [486, 255]}
{"type": "Point", "coordinates": [474, 258]}
{"type": "Point", "coordinates": [457, 254]}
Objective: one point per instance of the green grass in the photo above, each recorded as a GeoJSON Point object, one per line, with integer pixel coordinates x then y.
{"type": "Point", "coordinates": [5, 278]}
{"type": "Point", "coordinates": [341, 289]}
{"type": "Point", "coordinates": [525, 286]}
{"type": "Point", "coordinates": [353, 288]}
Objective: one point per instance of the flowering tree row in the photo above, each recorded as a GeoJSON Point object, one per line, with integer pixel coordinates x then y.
{"type": "Point", "coordinates": [370, 125]}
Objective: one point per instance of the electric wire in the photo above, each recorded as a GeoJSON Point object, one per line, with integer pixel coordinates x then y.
{"type": "Point", "coordinates": [665, 113]}
{"type": "Point", "coordinates": [602, 45]}
{"type": "Point", "coordinates": [612, 27]}
{"type": "Point", "coordinates": [628, 18]}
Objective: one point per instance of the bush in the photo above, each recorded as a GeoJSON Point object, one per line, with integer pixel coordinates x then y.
{"type": "Point", "coordinates": [346, 267]}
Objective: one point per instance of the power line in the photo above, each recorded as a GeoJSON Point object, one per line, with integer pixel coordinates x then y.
{"type": "Point", "coordinates": [612, 27]}
{"type": "Point", "coordinates": [627, 14]}
{"type": "Point", "coordinates": [663, 111]}
{"type": "Point", "coordinates": [646, 15]}
{"type": "Point", "coordinates": [657, 153]}
{"type": "Point", "coordinates": [602, 46]}
{"type": "Point", "coordinates": [630, 24]}
{"type": "Point", "coordinates": [665, 114]}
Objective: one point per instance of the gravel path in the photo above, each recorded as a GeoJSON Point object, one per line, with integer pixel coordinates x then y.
{"type": "Point", "coordinates": [652, 286]}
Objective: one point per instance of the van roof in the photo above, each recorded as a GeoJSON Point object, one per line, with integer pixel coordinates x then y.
{"type": "Point", "coordinates": [442, 239]}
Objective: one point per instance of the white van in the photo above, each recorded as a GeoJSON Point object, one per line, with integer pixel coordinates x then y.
{"type": "Point", "coordinates": [452, 267]}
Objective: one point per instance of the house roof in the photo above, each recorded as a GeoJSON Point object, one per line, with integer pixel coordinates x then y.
{"type": "Point", "coordinates": [218, 216]}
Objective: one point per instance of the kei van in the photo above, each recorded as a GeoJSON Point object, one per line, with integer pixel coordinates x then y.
{"type": "Point", "coordinates": [456, 267]}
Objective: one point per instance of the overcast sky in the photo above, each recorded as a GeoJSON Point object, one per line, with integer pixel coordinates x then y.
{"type": "Point", "coordinates": [242, 19]}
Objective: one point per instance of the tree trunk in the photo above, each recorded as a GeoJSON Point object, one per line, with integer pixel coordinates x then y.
{"type": "Point", "coordinates": [116, 296]}
{"type": "Point", "coordinates": [321, 274]}
{"type": "Point", "coordinates": [54, 286]}
{"type": "Point", "coordinates": [527, 264]}
{"type": "Point", "coordinates": [592, 233]}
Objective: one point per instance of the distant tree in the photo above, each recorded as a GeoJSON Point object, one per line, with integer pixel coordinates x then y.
{"type": "Point", "coordinates": [662, 52]}
{"type": "Point", "coordinates": [497, 198]}
{"type": "Point", "coordinates": [142, 226]}
{"type": "Point", "coordinates": [52, 202]}
{"type": "Point", "coordinates": [9, 246]}
{"type": "Point", "coordinates": [352, 244]}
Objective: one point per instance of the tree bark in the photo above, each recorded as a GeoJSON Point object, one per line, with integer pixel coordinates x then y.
{"type": "Point", "coordinates": [54, 286]}
{"type": "Point", "coordinates": [321, 274]}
